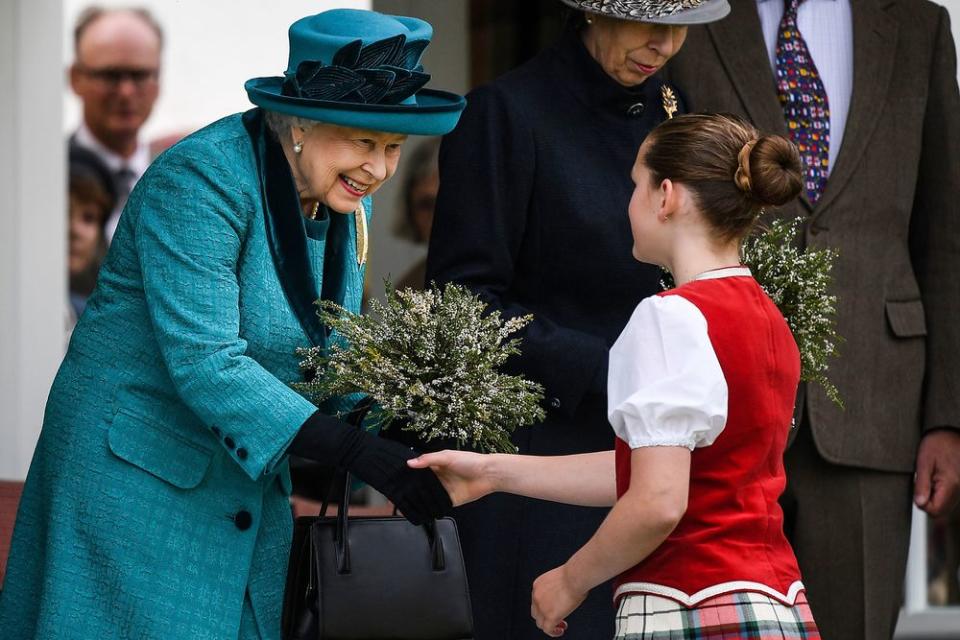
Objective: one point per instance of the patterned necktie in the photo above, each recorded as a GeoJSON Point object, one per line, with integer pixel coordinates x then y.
{"type": "Point", "coordinates": [804, 102]}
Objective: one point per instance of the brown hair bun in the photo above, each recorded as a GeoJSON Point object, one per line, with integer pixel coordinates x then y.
{"type": "Point", "coordinates": [771, 169]}
{"type": "Point", "coordinates": [742, 175]}
{"type": "Point", "coordinates": [732, 171]}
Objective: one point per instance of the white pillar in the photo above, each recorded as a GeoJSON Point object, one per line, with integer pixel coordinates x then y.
{"type": "Point", "coordinates": [32, 222]}
{"type": "Point", "coordinates": [953, 6]}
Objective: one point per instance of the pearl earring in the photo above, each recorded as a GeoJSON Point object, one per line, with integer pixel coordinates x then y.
{"type": "Point", "coordinates": [298, 147]}
{"type": "Point", "coordinates": [589, 20]}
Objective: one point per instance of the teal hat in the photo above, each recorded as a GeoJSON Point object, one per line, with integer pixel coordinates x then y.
{"type": "Point", "coordinates": [359, 69]}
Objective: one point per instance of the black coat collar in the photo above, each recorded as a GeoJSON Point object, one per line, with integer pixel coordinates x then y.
{"type": "Point", "coordinates": [593, 86]}
{"type": "Point", "coordinates": [287, 236]}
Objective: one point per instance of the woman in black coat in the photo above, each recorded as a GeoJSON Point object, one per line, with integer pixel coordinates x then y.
{"type": "Point", "coordinates": [532, 216]}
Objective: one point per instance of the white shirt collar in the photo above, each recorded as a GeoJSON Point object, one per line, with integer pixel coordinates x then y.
{"type": "Point", "coordinates": [137, 163]}
{"type": "Point", "coordinates": [726, 272]}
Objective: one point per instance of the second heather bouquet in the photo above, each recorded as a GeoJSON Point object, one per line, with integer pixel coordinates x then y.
{"type": "Point", "coordinates": [798, 282]}
{"type": "Point", "coordinates": [430, 358]}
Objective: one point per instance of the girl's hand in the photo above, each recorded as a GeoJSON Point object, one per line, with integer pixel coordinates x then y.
{"type": "Point", "coordinates": [466, 476]}
{"type": "Point", "coordinates": [554, 598]}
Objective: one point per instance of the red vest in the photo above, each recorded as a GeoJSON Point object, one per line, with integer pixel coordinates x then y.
{"type": "Point", "coordinates": [731, 536]}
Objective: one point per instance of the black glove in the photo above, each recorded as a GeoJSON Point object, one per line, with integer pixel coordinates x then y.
{"type": "Point", "coordinates": [380, 463]}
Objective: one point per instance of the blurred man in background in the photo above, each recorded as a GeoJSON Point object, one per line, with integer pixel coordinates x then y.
{"type": "Point", "coordinates": [116, 75]}
{"type": "Point", "coordinates": [419, 200]}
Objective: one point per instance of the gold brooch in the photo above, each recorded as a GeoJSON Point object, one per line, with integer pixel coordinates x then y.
{"type": "Point", "coordinates": [669, 101]}
{"type": "Point", "coordinates": [360, 222]}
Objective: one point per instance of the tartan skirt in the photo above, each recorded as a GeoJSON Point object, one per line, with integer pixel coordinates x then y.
{"type": "Point", "coordinates": [733, 616]}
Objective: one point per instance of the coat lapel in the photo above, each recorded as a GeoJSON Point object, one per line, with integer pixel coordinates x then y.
{"type": "Point", "coordinates": [874, 48]}
{"type": "Point", "coordinates": [286, 234]}
{"type": "Point", "coordinates": [742, 51]}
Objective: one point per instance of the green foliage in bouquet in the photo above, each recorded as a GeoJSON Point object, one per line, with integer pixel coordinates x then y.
{"type": "Point", "coordinates": [430, 358]}
{"type": "Point", "coordinates": [798, 283]}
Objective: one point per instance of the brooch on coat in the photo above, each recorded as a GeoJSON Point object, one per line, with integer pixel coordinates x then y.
{"type": "Point", "coordinates": [669, 101]}
{"type": "Point", "coordinates": [360, 220]}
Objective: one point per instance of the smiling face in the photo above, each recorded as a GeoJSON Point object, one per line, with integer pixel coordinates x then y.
{"type": "Point", "coordinates": [630, 51]}
{"type": "Point", "coordinates": [338, 166]}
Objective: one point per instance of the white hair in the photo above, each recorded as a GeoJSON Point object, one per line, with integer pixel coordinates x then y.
{"type": "Point", "coordinates": [280, 124]}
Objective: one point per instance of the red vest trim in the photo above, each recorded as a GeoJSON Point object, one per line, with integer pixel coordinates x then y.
{"type": "Point", "coordinates": [691, 600]}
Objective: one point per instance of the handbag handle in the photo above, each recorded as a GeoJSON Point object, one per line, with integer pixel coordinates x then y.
{"type": "Point", "coordinates": [342, 539]}
{"type": "Point", "coordinates": [355, 418]}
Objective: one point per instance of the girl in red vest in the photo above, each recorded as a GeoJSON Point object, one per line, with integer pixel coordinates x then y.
{"type": "Point", "coordinates": [701, 394]}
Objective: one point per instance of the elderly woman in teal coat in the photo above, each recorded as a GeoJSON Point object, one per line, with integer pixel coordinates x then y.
{"type": "Point", "coordinates": [157, 502]}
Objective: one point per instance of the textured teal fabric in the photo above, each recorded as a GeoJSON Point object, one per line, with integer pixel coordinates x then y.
{"type": "Point", "coordinates": [170, 416]}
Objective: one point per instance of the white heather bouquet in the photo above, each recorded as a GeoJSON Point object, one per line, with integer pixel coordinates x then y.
{"type": "Point", "coordinates": [797, 282]}
{"type": "Point", "coordinates": [431, 359]}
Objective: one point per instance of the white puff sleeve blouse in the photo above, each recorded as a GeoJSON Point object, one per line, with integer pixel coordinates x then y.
{"type": "Point", "coordinates": [665, 384]}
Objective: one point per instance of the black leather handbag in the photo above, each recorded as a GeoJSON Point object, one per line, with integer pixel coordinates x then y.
{"type": "Point", "coordinates": [375, 578]}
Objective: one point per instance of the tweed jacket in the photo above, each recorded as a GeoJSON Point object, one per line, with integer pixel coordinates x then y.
{"type": "Point", "coordinates": [891, 207]}
{"type": "Point", "coordinates": [157, 498]}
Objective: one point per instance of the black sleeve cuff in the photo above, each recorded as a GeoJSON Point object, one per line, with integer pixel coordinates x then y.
{"type": "Point", "coordinates": [324, 439]}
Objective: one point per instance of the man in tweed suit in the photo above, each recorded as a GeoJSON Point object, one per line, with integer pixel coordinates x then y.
{"type": "Point", "coordinates": [890, 205]}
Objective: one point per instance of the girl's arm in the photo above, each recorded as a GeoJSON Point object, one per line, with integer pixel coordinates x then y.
{"type": "Point", "coordinates": [639, 522]}
{"type": "Point", "coordinates": [586, 479]}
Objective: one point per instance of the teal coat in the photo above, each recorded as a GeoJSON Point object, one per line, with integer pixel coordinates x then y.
{"type": "Point", "coordinates": [156, 504]}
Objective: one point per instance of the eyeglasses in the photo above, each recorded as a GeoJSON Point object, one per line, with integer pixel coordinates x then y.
{"type": "Point", "coordinates": [113, 77]}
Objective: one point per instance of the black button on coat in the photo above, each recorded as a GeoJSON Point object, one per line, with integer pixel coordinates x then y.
{"type": "Point", "coordinates": [243, 520]}
{"type": "Point", "coordinates": [532, 216]}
